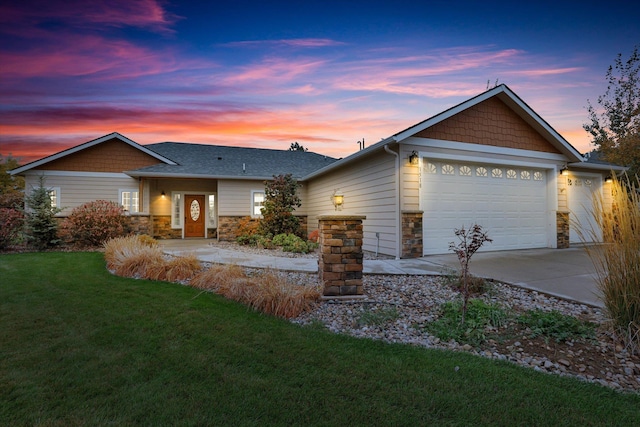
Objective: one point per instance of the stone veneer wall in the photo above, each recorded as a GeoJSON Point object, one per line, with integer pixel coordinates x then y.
{"type": "Point", "coordinates": [562, 226]}
{"type": "Point", "coordinates": [141, 224]}
{"type": "Point", "coordinates": [340, 265]}
{"type": "Point", "coordinates": [162, 228]}
{"type": "Point", "coordinates": [228, 226]}
{"type": "Point", "coordinates": [411, 234]}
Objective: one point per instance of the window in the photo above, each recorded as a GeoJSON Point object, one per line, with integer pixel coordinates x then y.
{"type": "Point", "coordinates": [465, 171]}
{"type": "Point", "coordinates": [511, 174]}
{"type": "Point", "coordinates": [129, 200]}
{"type": "Point", "coordinates": [212, 210]}
{"type": "Point", "coordinates": [448, 170]}
{"type": "Point", "coordinates": [257, 203]}
{"type": "Point", "coordinates": [176, 210]}
{"type": "Point", "coordinates": [54, 194]}
{"type": "Point", "coordinates": [496, 173]}
{"type": "Point", "coordinates": [481, 171]}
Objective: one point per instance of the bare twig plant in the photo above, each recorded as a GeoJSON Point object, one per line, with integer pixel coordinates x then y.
{"type": "Point", "coordinates": [470, 240]}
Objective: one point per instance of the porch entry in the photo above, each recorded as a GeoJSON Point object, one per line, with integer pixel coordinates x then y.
{"type": "Point", "coordinates": [194, 216]}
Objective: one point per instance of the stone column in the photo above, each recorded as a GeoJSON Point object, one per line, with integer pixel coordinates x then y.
{"type": "Point", "coordinates": [340, 265]}
{"type": "Point", "coordinates": [562, 226]}
{"type": "Point", "coordinates": [411, 234]}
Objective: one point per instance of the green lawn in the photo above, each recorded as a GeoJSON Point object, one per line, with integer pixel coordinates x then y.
{"type": "Point", "coordinates": [79, 346]}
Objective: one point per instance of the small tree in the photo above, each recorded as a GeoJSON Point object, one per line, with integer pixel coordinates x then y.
{"type": "Point", "coordinates": [469, 242]}
{"type": "Point", "coordinates": [42, 227]}
{"type": "Point", "coordinates": [295, 146]}
{"type": "Point", "coordinates": [280, 200]}
{"type": "Point", "coordinates": [615, 126]}
{"type": "Point", "coordinates": [11, 187]}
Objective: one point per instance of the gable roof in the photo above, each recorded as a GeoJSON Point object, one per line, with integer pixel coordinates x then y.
{"type": "Point", "coordinates": [503, 93]}
{"type": "Point", "coordinates": [216, 161]}
{"type": "Point", "coordinates": [89, 144]}
{"type": "Point", "coordinates": [516, 104]}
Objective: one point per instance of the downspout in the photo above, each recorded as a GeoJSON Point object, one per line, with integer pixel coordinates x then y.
{"type": "Point", "coordinates": [398, 199]}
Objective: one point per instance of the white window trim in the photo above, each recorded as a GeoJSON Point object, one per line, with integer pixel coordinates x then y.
{"type": "Point", "coordinates": [212, 220]}
{"type": "Point", "coordinates": [180, 223]}
{"type": "Point", "coordinates": [129, 190]}
{"type": "Point", "coordinates": [253, 197]}
{"type": "Point", "coordinates": [56, 191]}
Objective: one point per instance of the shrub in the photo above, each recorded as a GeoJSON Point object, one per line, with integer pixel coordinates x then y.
{"type": "Point", "coordinates": [556, 325]}
{"type": "Point", "coordinates": [470, 328]}
{"type": "Point", "coordinates": [617, 262]}
{"type": "Point", "coordinates": [247, 231]}
{"type": "Point", "coordinates": [41, 225]}
{"type": "Point", "coordinates": [182, 268]}
{"type": "Point", "coordinates": [93, 223]}
{"type": "Point", "coordinates": [13, 200]}
{"type": "Point", "coordinates": [12, 221]}
{"type": "Point", "coordinates": [293, 243]}
{"type": "Point", "coordinates": [280, 200]}
{"type": "Point", "coordinates": [314, 236]}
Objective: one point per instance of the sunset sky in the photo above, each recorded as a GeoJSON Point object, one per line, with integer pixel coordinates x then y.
{"type": "Point", "coordinates": [269, 73]}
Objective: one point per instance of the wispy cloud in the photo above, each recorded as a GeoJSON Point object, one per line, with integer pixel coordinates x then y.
{"type": "Point", "coordinates": [148, 14]}
{"type": "Point", "coordinates": [298, 43]}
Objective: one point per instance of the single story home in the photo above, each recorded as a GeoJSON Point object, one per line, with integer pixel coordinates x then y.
{"type": "Point", "coordinates": [489, 160]}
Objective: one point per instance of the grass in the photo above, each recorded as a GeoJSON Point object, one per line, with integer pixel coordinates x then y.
{"type": "Point", "coordinates": [617, 261]}
{"type": "Point", "coordinates": [79, 346]}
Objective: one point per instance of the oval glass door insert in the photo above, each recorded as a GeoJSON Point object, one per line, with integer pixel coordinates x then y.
{"type": "Point", "coordinates": [195, 210]}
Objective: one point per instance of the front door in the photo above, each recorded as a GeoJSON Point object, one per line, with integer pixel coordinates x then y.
{"type": "Point", "coordinates": [194, 216]}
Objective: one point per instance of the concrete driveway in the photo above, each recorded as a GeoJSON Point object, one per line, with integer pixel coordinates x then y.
{"type": "Point", "coordinates": [566, 273]}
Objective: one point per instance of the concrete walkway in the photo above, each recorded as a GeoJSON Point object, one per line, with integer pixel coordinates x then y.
{"type": "Point", "coordinates": [565, 273]}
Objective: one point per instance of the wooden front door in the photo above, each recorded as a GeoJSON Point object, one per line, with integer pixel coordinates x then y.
{"type": "Point", "coordinates": [194, 216]}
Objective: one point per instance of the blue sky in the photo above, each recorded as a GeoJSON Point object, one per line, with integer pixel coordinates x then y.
{"type": "Point", "coordinates": [265, 74]}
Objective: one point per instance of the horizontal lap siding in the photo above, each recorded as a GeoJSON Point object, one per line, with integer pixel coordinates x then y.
{"type": "Point", "coordinates": [368, 186]}
{"type": "Point", "coordinates": [77, 190]}
{"type": "Point", "coordinates": [234, 197]}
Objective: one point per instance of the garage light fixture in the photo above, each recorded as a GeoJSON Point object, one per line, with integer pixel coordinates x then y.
{"type": "Point", "coordinates": [608, 179]}
{"type": "Point", "coordinates": [413, 158]}
{"type": "Point", "coordinates": [337, 199]}
{"type": "Point", "coordinates": [564, 171]}
{"type": "Point", "coordinates": [162, 194]}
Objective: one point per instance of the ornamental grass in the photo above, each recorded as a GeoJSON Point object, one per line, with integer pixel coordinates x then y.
{"type": "Point", "coordinates": [268, 291]}
{"type": "Point", "coordinates": [617, 261]}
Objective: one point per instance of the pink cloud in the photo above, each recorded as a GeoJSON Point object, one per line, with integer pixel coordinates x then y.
{"type": "Point", "coordinates": [545, 72]}
{"type": "Point", "coordinates": [70, 55]}
{"type": "Point", "coordinates": [80, 13]}
{"type": "Point", "coordinates": [304, 43]}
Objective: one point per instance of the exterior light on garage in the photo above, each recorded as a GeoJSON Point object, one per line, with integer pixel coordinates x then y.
{"type": "Point", "coordinates": [608, 179]}
{"type": "Point", "coordinates": [337, 199]}
{"type": "Point", "coordinates": [564, 171]}
{"type": "Point", "coordinates": [413, 158]}
{"type": "Point", "coordinates": [162, 194]}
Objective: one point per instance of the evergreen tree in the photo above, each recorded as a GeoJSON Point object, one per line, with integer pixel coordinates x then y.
{"type": "Point", "coordinates": [280, 200]}
{"type": "Point", "coordinates": [41, 224]}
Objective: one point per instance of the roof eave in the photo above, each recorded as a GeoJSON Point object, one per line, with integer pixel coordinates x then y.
{"type": "Point", "coordinates": [350, 158]}
{"type": "Point", "coordinates": [597, 166]}
{"type": "Point", "coordinates": [86, 145]}
{"type": "Point", "coordinates": [137, 174]}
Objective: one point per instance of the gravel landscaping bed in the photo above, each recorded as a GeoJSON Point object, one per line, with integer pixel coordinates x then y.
{"type": "Point", "coordinates": [415, 301]}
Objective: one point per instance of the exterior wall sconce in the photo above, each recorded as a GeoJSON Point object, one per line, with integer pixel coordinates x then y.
{"type": "Point", "coordinates": [608, 179]}
{"type": "Point", "coordinates": [413, 158]}
{"type": "Point", "coordinates": [162, 194]}
{"type": "Point", "coordinates": [337, 199]}
{"type": "Point", "coordinates": [564, 171]}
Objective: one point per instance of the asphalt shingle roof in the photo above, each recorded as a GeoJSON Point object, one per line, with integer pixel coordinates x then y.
{"type": "Point", "coordinates": [224, 161]}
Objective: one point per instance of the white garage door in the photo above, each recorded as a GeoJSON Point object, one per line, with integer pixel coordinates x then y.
{"type": "Point", "coordinates": [510, 203]}
{"type": "Point", "coordinates": [581, 190]}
